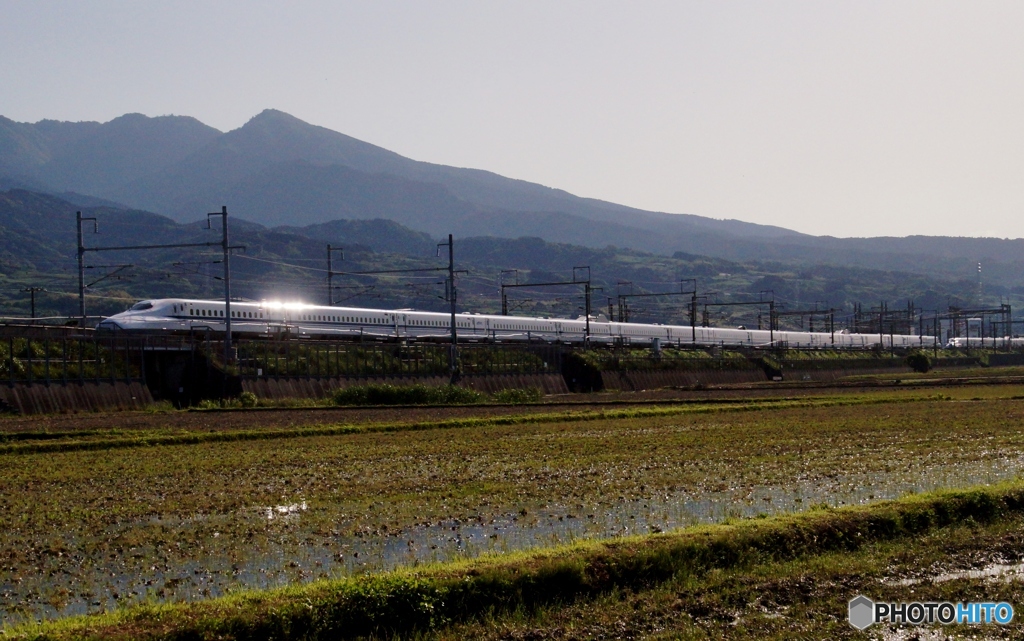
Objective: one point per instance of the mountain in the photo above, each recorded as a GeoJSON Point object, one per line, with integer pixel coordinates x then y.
{"type": "Point", "coordinates": [278, 170]}
{"type": "Point", "coordinates": [205, 166]}
{"type": "Point", "coordinates": [94, 158]}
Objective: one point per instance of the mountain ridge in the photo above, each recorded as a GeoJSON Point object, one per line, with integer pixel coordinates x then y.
{"type": "Point", "coordinates": [38, 239]}
{"type": "Point", "coordinates": [279, 170]}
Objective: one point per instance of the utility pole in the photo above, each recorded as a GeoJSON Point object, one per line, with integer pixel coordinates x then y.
{"type": "Point", "coordinates": [81, 263]}
{"type": "Point", "coordinates": [576, 280]}
{"type": "Point", "coordinates": [453, 355]}
{"type": "Point", "coordinates": [226, 248]}
{"type": "Point", "coordinates": [772, 320]}
{"type": "Point", "coordinates": [330, 273]}
{"type": "Point", "coordinates": [586, 305]}
{"type": "Point", "coordinates": [501, 281]}
{"type": "Point", "coordinates": [693, 315]}
{"type": "Point", "coordinates": [31, 291]}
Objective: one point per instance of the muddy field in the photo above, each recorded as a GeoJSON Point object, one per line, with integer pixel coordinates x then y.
{"type": "Point", "coordinates": [91, 529]}
{"type": "Point", "coordinates": [239, 419]}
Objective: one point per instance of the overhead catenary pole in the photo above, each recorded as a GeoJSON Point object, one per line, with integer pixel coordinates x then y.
{"type": "Point", "coordinates": [693, 316]}
{"type": "Point", "coordinates": [587, 292]}
{"type": "Point", "coordinates": [453, 354]}
{"type": "Point", "coordinates": [586, 337]}
{"type": "Point", "coordinates": [454, 365]}
{"type": "Point", "coordinates": [226, 248]}
{"type": "Point", "coordinates": [82, 249]}
{"type": "Point", "coordinates": [330, 273]}
{"type": "Point", "coordinates": [81, 264]}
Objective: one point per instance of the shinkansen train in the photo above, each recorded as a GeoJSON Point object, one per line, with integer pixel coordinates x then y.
{"type": "Point", "coordinates": [987, 341]}
{"type": "Point", "coordinates": [173, 315]}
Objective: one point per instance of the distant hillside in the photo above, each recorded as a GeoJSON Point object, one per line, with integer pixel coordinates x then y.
{"type": "Point", "coordinates": [277, 170]}
{"type": "Point", "coordinates": [37, 249]}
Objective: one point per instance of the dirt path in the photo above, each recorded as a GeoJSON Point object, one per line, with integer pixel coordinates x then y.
{"type": "Point", "coordinates": [285, 417]}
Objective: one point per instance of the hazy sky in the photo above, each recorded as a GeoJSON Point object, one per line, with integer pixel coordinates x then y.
{"type": "Point", "coordinates": [843, 118]}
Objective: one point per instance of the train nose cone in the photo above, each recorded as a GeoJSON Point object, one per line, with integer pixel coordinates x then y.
{"type": "Point", "coordinates": [108, 326]}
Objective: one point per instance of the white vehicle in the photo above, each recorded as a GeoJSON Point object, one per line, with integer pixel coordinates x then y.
{"type": "Point", "coordinates": [173, 315]}
{"type": "Point", "coordinates": [988, 341]}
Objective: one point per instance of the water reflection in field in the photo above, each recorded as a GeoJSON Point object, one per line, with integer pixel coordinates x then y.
{"type": "Point", "coordinates": [297, 554]}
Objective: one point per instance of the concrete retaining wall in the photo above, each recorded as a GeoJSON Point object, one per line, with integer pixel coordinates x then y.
{"type": "Point", "coordinates": [629, 381]}
{"type": "Point", "coordinates": [74, 397]}
{"type": "Point", "coordinates": [321, 387]}
{"type": "Point", "coordinates": [490, 383]}
{"type": "Point", "coordinates": [791, 375]}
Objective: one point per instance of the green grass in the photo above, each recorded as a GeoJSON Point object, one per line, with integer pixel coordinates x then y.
{"type": "Point", "coordinates": [804, 597]}
{"type": "Point", "coordinates": [386, 394]}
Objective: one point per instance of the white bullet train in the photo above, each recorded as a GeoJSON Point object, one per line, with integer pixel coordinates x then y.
{"type": "Point", "coordinates": [173, 315]}
{"type": "Point", "coordinates": [988, 341]}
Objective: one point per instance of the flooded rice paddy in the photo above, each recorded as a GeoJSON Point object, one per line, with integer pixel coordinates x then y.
{"type": "Point", "coordinates": [350, 505]}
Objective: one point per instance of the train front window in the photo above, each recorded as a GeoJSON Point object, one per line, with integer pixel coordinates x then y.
{"type": "Point", "coordinates": [144, 305]}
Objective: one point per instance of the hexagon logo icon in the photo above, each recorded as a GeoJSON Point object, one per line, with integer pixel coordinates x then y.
{"type": "Point", "coordinates": [862, 610]}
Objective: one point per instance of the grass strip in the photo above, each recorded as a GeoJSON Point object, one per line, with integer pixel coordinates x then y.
{"type": "Point", "coordinates": [411, 601]}
{"type": "Point", "coordinates": [515, 419]}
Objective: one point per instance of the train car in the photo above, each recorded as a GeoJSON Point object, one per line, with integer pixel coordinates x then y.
{"type": "Point", "coordinates": [173, 315]}
{"type": "Point", "coordinates": [988, 341]}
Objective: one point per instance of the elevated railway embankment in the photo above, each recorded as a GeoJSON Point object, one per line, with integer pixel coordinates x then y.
{"type": "Point", "coordinates": [61, 369]}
